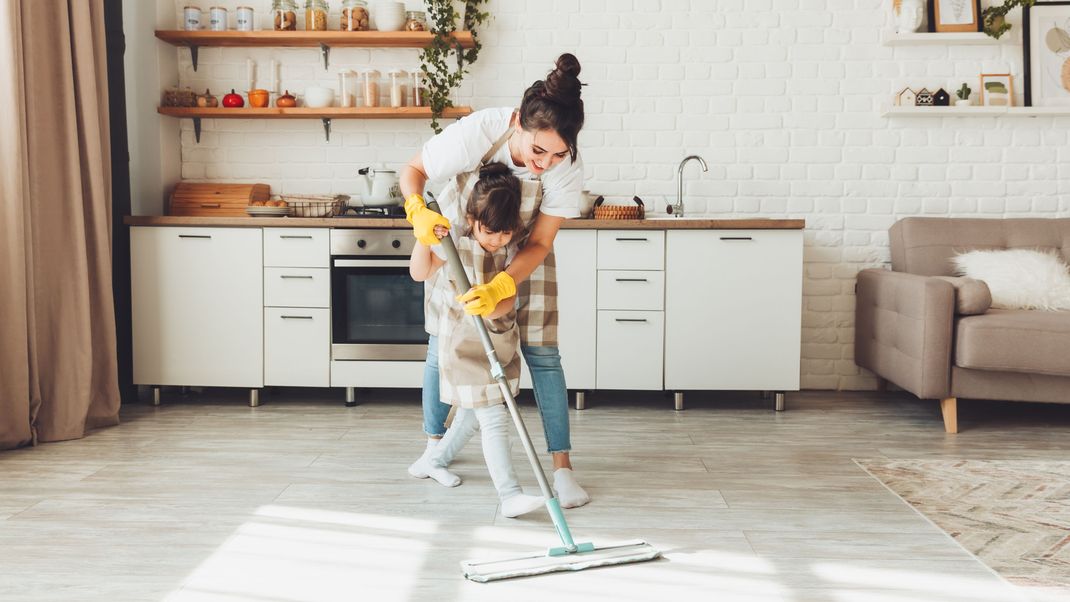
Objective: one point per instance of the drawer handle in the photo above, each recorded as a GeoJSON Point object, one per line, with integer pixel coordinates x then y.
{"type": "Point", "coordinates": [631, 319]}
{"type": "Point", "coordinates": [211, 205]}
{"type": "Point", "coordinates": [296, 236]}
{"type": "Point", "coordinates": [736, 238]}
{"type": "Point", "coordinates": [633, 239]}
{"type": "Point", "coordinates": [296, 317]}
{"type": "Point", "coordinates": [195, 236]}
{"type": "Point", "coordinates": [632, 280]}
{"type": "Point", "coordinates": [289, 277]}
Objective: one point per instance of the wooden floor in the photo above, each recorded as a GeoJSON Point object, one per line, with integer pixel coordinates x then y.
{"type": "Point", "coordinates": [303, 499]}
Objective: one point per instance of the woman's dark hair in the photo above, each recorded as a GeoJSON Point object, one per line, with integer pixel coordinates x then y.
{"type": "Point", "coordinates": [555, 104]}
{"type": "Point", "coordinates": [495, 200]}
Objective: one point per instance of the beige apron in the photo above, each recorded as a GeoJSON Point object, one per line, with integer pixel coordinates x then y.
{"type": "Point", "coordinates": [536, 296]}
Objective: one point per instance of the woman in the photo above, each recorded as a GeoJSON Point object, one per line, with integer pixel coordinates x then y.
{"type": "Point", "coordinates": [538, 142]}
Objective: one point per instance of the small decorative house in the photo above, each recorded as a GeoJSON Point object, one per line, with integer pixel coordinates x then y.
{"type": "Point", "coordinates": [924, 98]}
{"type": "Point", "coordinates": [942, 98]}
{"type": "Point", "coordinates": [906, 97]}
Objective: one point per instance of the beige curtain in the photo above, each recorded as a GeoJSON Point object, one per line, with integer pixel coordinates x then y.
{"type": "Point", "coordinates": [58, 366]}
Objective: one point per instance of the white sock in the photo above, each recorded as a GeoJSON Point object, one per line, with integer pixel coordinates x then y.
{"type": "Point", "coordinates": [521, 503]}
{"type": "Point", "coordinates": [416, 468]}
{"type": "Point", "coordinates": [426, 467]}
{"type": "Point", "coordinates": [568, 489]}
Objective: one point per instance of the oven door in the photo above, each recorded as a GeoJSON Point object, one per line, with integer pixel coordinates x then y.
{"type": "Point", "coordinates": [377, 310]}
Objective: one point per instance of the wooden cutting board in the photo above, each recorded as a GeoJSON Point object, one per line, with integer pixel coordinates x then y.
{"type": "Point", "coordinates": [215, 200]}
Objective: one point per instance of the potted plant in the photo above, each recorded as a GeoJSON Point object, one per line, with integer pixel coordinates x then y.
{"type": "Point", "coordinates": [964, 96]}
{"type": "Point", "coordinates": [441, 80]}
{"type": "Point", "coordinates": [994, 17]}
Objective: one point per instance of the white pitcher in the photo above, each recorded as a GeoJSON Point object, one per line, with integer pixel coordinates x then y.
{"type": "Point", "coordinates": [380, 189]}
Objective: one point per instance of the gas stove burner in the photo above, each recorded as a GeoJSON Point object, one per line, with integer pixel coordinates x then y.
{"type": "Point", "coordinates": [393, 212]}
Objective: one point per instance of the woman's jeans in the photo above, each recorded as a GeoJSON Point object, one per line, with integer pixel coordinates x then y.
{"type": "Point", "coordinates": [547, 377]}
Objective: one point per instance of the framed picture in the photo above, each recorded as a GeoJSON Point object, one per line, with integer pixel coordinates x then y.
{"type": "Point", "coordinates": [954, 15]}
{"type": "Point", "coordinates": [997, 90]}
{"type": "Point", "coordinates": [1046, 27]}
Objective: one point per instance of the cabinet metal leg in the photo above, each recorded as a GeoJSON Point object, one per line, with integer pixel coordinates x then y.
{"type": "Point", "coordinates": [254, 398]}
{"type": "Point", "coordinates": [766, 394]}
{"type": "Point", "coordinates": [779, 402]}
{"type": "Point", "coordinates": [351, 397]}
{"type": "Point", "coordinates": [678, 400]}
{"type": "Point", "coordinates": [156, 396]}
{"type": "Point", "coordinates": [581, 400]}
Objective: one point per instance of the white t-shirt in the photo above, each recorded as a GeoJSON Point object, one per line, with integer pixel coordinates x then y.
{"type": "Point", "coordinates": [460, 147]}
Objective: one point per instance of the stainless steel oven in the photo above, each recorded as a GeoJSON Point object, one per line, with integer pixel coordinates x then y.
{"type": "Point", "coordinates": [377, 311]}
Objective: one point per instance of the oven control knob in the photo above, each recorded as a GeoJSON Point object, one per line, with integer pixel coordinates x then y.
{"type": "Point", "coordinates": [396, 244]}
{"type": "Point", "coordinates": [361, 243]}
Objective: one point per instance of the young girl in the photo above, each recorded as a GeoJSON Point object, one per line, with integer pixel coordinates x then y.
{"type": "Point", "coordinates": [492, 215]}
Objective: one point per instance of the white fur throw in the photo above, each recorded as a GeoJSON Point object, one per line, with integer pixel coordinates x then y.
{"type": "Point", "coordinates": [1019, 278]}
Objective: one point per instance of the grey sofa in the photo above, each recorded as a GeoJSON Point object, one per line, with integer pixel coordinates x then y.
{"type": "Point", "coordinates": [937, 337]}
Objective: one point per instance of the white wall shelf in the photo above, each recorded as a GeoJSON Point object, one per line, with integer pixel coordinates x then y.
{"type": "Point", "coordinates": [974, 111]}
{"type": "Point", "coordinates": [969, 38]}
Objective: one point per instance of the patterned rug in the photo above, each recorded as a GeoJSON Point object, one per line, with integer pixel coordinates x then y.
{"type": "Point", "coordinates": [1013, 515]}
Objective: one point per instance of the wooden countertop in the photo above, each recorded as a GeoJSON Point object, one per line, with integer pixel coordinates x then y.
{"type": "Point", "coordinates": [572, 224]}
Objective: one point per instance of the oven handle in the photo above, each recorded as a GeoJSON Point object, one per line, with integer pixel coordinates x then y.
{"type": "Point", "coordinates": [371, 263]}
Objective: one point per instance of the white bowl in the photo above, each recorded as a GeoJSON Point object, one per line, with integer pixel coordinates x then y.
{"type": "Point", "coordinates": [318, 97]}
{"type": "Point", "coordinates": [388, 16]}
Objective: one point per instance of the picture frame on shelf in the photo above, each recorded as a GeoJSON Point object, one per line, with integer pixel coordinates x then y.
{"type": "Point", "coordinates": [1046, 45]}
{"type": "Point", "coordinates": [997, 90]}
{"type": "Point", "coordinates": [954, 15]}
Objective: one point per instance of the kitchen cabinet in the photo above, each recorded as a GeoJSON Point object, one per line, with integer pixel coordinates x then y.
{"type": "Point", "coordinates": [297, 346]}
{"type": "Point", "coordinates": [630, 350]}
{"type": "Point", "coordinates": [733, 305]}
{"type": "Point", "coordinates": [197, 307]}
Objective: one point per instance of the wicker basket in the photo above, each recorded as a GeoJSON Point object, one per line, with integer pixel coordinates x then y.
{"type": "Point", "coordinates": [311, 205]}
{"type": "Point", "coordinates": [603, 211]}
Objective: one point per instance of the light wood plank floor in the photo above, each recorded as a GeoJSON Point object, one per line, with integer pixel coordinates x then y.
{"type": "Point", "coordinates": [303, 499]}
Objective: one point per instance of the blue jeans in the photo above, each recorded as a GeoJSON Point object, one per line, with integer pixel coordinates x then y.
{"type": "Point", "coordinates": [551, 396]}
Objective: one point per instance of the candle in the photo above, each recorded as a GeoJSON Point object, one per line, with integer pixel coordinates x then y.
{"type": "Point", "coordinates": [274, 71]}
{"type": "Point", "coordinates": [250, 66]}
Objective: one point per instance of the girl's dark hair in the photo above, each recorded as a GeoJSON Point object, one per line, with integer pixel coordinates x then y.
{"type": "Point", "coordinates": [495, 200]}
{"type": "Point", "coordinates": [555, 104]}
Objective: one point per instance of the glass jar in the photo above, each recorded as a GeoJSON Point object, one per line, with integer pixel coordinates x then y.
{"type": "Point", "coordinates": [415, 20]}
{"type": "Point", "coordinates": [354, 15]}
{"type": "Point", "coordinates": [284, 14]}
{"type": "Point", "coordinates": [418, 90]}
{"type": "Point", "coordinates": [347, 88]}
{"type": "Point", "coordinates": [316, 15]}
{"type": "Point", "coordinates": [369, 87]}
{"type": "Point", "coordinates": [396, 82]}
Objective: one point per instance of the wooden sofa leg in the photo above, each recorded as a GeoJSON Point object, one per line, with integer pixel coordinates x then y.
{"type": "Point", "coordinates": [949, 408]}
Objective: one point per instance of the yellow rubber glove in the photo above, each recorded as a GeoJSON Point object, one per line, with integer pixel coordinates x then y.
{"type": "Point", "coordinates": [481, 300]}
{"type": "Point", "coordinates": [423, 220]}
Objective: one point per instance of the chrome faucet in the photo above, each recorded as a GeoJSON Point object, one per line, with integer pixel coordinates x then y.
{"type": "Point", "coordinates": [678, 208]}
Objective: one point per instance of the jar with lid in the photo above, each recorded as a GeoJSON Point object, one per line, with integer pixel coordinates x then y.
{"type": "Point", "coordinates": [347, 88]}
{"type": "Point", "coordinates": [316, 15]}
{"type": "Point", "coordinates": [354, 15]}
{"type": "Point", "coordinates": [418, 90]}
{"type": "Point", "coordinates": [191, 18]}
{"type": "Point", "coordinates": [369, 87]}
{"type": "Point", "coordinates": [396, 79]}
{"type": "Point", "coordinates": [284, 14]}
{"type": "Point", "coordinates": [244, 18]}
{"type": "Point", "coordinates": [415, 20]}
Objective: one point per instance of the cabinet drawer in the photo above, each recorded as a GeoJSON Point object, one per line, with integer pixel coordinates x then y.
{"type": "Point", "coordinates": [631, 289]}
{"type": "Point", "coordinates": [631, 250]}
{"type": "Point", "coordinates": [297, 247]}
{"type": "Point", "coordinates": [297, 287]}
{"type": "Point", "coordinates": [629, 352]}
{"type": "Point", "coordinates": [297, 347]}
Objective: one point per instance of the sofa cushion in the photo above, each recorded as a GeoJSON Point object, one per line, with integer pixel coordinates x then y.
{"type": "Point", "coordinates": [1015, 340]}
{"type": "Point", "coordinates": [971, 296]}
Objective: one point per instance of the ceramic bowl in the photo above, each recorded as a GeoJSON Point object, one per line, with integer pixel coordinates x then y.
{"type": "Point", "coordinates": [318, 97]}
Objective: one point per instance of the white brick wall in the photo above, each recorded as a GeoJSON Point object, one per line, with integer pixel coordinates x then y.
{"type": "Point", "coordinates": [781, 97]}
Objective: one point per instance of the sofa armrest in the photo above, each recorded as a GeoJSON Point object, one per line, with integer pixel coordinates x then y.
{"type": "Point", "coordinates": [972, 297]}
{"type": "Point", "coordinates": [903, 330]}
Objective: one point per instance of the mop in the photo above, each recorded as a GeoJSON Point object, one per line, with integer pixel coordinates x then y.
{"type": "Point", "coordinates": [569, 556]}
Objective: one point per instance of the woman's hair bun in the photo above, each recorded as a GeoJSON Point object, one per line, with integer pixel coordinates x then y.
{"type": "Point", "coordinates": [563, 84]}
{"type": "Point", "coordinates": [494, 170]}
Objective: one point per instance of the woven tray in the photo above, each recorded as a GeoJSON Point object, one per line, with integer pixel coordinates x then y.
{"type": "Point", "coordinates": [603, 211]}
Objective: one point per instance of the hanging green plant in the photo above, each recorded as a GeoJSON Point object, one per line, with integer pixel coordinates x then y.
{"type": "Point", "coordinates": [995, 22]}
{"type": "Point", "coordinates": [434, 60]}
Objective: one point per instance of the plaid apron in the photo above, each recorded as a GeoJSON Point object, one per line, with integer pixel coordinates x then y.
{"type": "Point", "coordinates": [536, 297]}
{"type": "Point", "coordinates": [464, 373]}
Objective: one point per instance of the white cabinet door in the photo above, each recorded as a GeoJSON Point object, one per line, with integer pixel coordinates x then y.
{"type": "Point", "coordinates": [631, 289]}
{"type": "Point", "coordinates": [297, 347]}
{"type": "Point", "coordinates": [297, 287]}
{"type": "Point", "coordinates": [197, 306]}
{"type": "Point", "coordinates": [297, 247]}
{"type": "Point", "coordinates": [733, 305]}
{"type": "Point", "coordinates": [631, 249]}
{"type": "Point", "coordinates": [629, 350]}
{"type": "Point", "coordinates": [575, 252]}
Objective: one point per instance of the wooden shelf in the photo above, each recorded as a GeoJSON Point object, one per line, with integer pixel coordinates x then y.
{"type": "Point", "coordinates": [975, 111]}
{"type": "Point", "coordinates": [307, 39]}
{"type": "Point", "coordinates": [968, 38]}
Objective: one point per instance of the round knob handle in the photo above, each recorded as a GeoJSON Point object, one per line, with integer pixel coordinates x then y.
{"type": "Point", "coordinates": [396, 244]}
{"type": "Point", "coordinates": [362, 243]}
